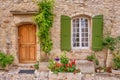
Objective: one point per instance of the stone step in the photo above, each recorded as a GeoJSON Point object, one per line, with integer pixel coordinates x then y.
{"type": "Point", "coordinates": [43, 66]}
{"type": "Point", "coordinates": [85, 66]}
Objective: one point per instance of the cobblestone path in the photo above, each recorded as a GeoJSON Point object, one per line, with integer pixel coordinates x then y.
{"type": "Point", "coordinates": [44, 76]}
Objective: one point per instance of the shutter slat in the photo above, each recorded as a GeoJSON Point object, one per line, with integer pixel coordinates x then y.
{"type": "Point", "coordinates": [97, 33]}
{"type": "Point", "coordinates": [65, 33]}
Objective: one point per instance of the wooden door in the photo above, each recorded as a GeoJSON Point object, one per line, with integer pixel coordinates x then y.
{"type": "Point", "coordinates": [27, 43]}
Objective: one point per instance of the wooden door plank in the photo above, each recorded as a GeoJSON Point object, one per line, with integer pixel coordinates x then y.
{"type": "Point", "coordinates": [27, 43]}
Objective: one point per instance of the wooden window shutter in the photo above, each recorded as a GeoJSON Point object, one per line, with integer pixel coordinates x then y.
{"type": "Point", "coordinates": [65, 33]}
{"type": "Point", "coordinates": [97, 33]}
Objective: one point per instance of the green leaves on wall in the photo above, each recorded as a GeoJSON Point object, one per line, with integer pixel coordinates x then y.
{"type": "Point", "coordinates": [44, 20]}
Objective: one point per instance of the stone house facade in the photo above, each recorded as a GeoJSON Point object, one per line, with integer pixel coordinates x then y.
{"type": "Point", "coordinates": [17, 15]}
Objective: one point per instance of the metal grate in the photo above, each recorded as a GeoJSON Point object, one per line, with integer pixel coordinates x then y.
{"type": "Point", "coordinates": [27, 71]}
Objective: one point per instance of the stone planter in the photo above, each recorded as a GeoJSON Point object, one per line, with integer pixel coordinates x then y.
{"type": "Point", "coordinates": [85, 66]}
{"type": "Point", "coordinates": [115, 71]}
{"type": "Point", "coordinates": [64, 76]}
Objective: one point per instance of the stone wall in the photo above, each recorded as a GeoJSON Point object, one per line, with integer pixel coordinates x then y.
{"type": "Point", "coordinates": [9, 22]}
{"type": "Point", "coordinates": [10, 19]}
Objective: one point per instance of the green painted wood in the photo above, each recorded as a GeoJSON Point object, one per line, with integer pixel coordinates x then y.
{"type": "Point", "coordinates": [65, 33]}
{"type": "Point", "coordinates": [97, 32]}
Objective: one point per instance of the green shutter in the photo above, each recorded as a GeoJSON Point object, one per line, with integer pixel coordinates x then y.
{"type": "Point", "coordinates": [97, 32]}
{"type": "Point", "coordinates": [65, 33]}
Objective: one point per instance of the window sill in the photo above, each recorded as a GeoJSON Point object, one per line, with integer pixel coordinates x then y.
{"type": "Point", "coordinates": [81, 51]}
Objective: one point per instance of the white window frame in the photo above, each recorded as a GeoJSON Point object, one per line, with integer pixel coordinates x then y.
{"type": "Point", "coordinates": [80, 41]}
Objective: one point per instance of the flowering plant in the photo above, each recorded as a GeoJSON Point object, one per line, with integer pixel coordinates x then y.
{"type": "Point", "coordinates": [63, 64]}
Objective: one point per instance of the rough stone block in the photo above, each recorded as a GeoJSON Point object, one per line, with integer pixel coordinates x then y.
{"type": "Point", "coordinates": [71, 76]}
{"type": "Point", "coordinates": [85, 66]}
{"type": "Point", "coordinates": [53, 76]}
{"type": "Point", "coordinates": [43, 66]}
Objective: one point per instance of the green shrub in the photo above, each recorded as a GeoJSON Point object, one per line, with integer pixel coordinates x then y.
{"type": "Point", "coordinates": [36, 65]}
{"type": "Point", "coordinates": [64, 59]}
{"type": "Point", "coordinates": [51, 65]}
{"type": "Point", "coordinates": [109, 42]}
{"type": "Point", "coordinates": [5, 59]}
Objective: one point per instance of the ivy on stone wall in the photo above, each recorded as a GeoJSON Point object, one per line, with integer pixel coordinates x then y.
{"type": "Point", "coordinates": [44, 20]}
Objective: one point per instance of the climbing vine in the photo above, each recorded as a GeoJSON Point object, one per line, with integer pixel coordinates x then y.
{"type": "Point", "coordinates": [44, 20]}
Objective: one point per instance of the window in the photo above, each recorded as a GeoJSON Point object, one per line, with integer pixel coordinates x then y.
{"type": "Point", "coordinates": [80, 33]}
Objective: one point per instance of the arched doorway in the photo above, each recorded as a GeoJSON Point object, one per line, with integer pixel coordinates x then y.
{"type": "Point", "coordinates": [27, 43]}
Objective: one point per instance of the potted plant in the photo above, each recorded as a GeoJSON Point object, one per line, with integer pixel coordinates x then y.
{"type": "Point", "coordinates": [63, 64]}
{"type": "Point", "coordinates": [63, 68]}
{"type": "Point", "coordinates": [5, 60]}
{"type": "Point", "coordinates": [93, 58]}
{"type": "Point", "coordinates": [100, 69]}
{"type": "Point", "coordinates": [116, 63]}
{"type": "Point", "coordinates": [109, 44]}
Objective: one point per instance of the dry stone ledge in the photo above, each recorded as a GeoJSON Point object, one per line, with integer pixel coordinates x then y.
{"type": "Point", "coordinates": [117, 72]}
{"type": "Point", "coordinates": [65, 76]}
{"type": "Point", "coordinates": [85, 66]}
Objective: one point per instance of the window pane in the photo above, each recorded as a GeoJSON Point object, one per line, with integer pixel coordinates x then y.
{"type": "Point", "coordinates": [73, 20]}
{"type": "Point", "coordinates": [77, 21]}
{"type": "Point", "coordinates": [86, 44]}
{"type": "Point", "coordinates": [86, 25]}
{"type": "Point", "coordinates": [83, 45]}
{"type": "Point", "coordinates": [77, 25]}
{"type": "Point", "coordinates": [73, 34]}
{"type": "Point", "coordinates": [73, 24]}
{"type": "Point", "coordinates": [86, 20]}
{"type": "Point", "coordinates": [82, 29]}
{"type": "Point", "coordinates": [73, 29]}
{"type": "Point", "coordinates": [77, 44]}
{"type": "Point", "coordinates": [83, 35]}
{"type": "Point", "coordinates": [77, 30]}
{"type": "Point", "coordinates": [86, 34]}
{"type": "Point", "coordinates": [73, 40]}
{"type": "Point", "coordinates": [86, 29]}
{"type": "Point", "coordinates": [74, 45]}
{"type": "Point", "coordinates": [77, 35]}
{"type": "Point", "coordinates": [86, 39]}
{"type": "Point", "coordinates": [82, 22]}
{"type": "Point", "coordinates": [82, 39]}
{"type": "Point", "coordinates": [77, 39]}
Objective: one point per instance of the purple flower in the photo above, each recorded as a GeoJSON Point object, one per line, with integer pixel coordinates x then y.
{"type": "Point", "coordinates": [57, 59]}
